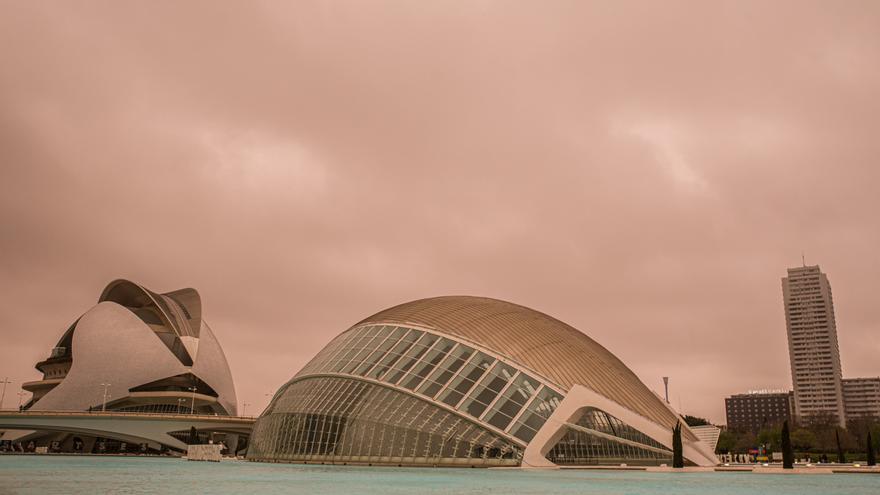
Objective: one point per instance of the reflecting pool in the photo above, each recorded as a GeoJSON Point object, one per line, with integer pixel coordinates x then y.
{"type": "Point", "coordinates": [95, 475]}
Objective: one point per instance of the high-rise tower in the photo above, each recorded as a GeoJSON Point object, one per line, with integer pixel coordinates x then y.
{"type": "Point", "coordinates": [812, 344]}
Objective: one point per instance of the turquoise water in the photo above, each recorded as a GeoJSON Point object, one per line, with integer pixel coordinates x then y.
{"type": "Point", "coordinates": [97, 475]}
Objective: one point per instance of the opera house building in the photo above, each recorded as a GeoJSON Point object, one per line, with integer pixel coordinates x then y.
{"type": "Point", "coordinates": [135, 351]}
{"type": "Point", "coordinates": [468, 381]}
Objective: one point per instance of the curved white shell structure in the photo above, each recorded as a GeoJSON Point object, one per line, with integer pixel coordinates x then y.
{"type": "Point", "coordinates": [468, 381]}
{"type": "Point", "coordinates": [137, 350]}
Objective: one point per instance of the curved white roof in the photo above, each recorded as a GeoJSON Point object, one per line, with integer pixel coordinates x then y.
{"type": "Point", "coordinates": [556, 350]}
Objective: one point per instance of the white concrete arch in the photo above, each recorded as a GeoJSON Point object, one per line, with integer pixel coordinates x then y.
{"type": "Point", "coordinates": [572, 407]}
{"type": "Point", "coordinates": [128, 427]}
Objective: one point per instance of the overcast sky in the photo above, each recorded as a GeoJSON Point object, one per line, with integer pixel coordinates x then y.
{"type": "Point", "coordinates": [642, 171]}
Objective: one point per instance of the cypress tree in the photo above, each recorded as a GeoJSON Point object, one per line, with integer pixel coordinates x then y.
{"type": "Point", "coordinates": [677, 455]}
{"type": "Point", "coordinates": [841, 458]}
{"type": "Point", "coordinates": [872, 461]}
{"type": "Point", "coordinates": [787, 452]}
{"type": "Point", "coordinates": [193, 436]}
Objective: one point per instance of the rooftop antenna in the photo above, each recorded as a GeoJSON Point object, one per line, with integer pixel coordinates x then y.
{"type": "Point", "coordinates": [803, 259]}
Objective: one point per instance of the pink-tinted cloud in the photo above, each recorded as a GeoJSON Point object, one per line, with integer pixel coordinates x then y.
{"type": "Point", "coordinates": [643, 171]}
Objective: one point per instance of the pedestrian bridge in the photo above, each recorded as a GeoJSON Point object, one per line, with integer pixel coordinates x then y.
{"type": "Point", "coordinates": [131, 427]}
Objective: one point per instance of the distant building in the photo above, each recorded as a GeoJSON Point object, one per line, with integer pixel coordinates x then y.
{"type": "Point", "coordinates": [812, 344]}
{"type": "Point", "coordinates": [861, 397]}
{"type": "Point", "coordinates": [754, 411]}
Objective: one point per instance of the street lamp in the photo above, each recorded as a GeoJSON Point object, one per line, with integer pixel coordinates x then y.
{"type": "Point", "coordinates": [193, 390]}
{"type": "Point", "coordinates": [104, 402]}
{"type": "Point", "coordinates": [3, 395]}
{"type": "Point", "coordinates": [180, 400]}
{"type": "Point", "coordinates": [244, 408]}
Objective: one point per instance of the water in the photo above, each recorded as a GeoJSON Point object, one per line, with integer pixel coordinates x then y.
{"type": "Point", "coordinates": [127, 475]}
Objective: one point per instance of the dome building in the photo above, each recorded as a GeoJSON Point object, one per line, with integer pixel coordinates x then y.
{"type": "Point", "coordinates": [468, 381]}
{"type": "Point", "coordinates": [137, 351]}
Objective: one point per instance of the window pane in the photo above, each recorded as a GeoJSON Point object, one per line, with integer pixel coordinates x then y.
{"type": "Point", "coordinates": [440, 377]}
{"type": "Point", "coordinates": [489, 387]}
{"type": "Point", "coordinates": [393, 335]}
{"type": "Point", "coordinates": [348, 351]}
{"type": "Point", "coordinates": [427, 364]}
{"type": "Point", "coordinates": [462, 383]}
{"type": "Point", "coordinates": [512, 401]}
{"type": "Point", "coordinates": [370, 341]}
{"type": "Point", "coordinates": [396, 352]}
{"type": "Point", "coordinates": [541, 407]}
{"type": "Point", "coordinates": [410, 358]}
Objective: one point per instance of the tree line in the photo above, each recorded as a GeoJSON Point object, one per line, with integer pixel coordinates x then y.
{"type": "Point", "coordinates": [820, 438]}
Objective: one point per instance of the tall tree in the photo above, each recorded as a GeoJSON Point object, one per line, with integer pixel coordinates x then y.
{"type": "Point", "coordinates": [872, 461]}
{"type": "Point", "coordinates": [193, 436]}
{"type": "Point", "coordinates": [726, 442]}
{"type": "Point", "coordinates": [787, 452]}
{"type": "Point", "coordinates": [677, 454]}
{"type": "Point", "coordinates": [841, 458]}
{"type": "Point", "coordinates": [695, 420]}
{"type": "Point", "coordinates": [803, 439]}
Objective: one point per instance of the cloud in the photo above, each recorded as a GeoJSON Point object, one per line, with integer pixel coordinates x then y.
{"type": "Point", "coordinates": [263, 164]}
{"type": "Point", "coordinates": [643, 172]}
{"type": "Point", "coordinates": [668, 143]}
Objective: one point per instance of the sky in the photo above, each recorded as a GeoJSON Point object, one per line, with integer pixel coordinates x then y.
{"type": "Point", "coordinates": [644, 171]}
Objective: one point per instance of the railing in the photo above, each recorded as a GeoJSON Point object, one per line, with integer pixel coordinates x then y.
{"type": "Point", "coordinates": [199, 417]}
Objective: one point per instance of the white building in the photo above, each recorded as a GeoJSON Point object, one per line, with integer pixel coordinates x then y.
{"type": "Point", "coordinates": [468, 381]}
{"type": "Point", "coordinates": [861, 397]}
{"type": "Point", "coordinates": [136, 351]}
{"type": "Point", "coordinates": [812, 344]}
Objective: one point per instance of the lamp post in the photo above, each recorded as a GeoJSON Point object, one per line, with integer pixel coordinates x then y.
{"type": "Point", "coordinates": [3, 394]}
{"type": "Point", "coordinates": [180, 400]}
{"type": "Point", "coordinates": [104, 402]}
{"type": "Point", "coordinates": [244, 408]}
{"type": "Point", "coordinates": [193, 390]}
{"type": "Point", "coordinates": [666, 387]}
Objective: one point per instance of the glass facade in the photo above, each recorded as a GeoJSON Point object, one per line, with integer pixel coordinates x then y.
{"type": "Point", "coordinates": [582, 447]}
{"type": "Point", "coordinates": [343, 420]}
{"type": "Point", "coordinates": [333, 409]}
{"type": "Point", "coordinates": [156, 408]}
{"type": "Point", "coordinates": [444, 370]}
{"type": "Point", "coordinates": [392, 394]}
